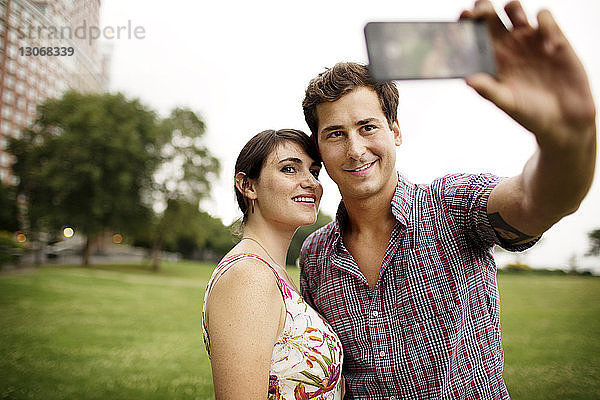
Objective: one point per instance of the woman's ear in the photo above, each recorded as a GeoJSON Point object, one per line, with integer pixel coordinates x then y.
{"type": "Point", "coordinates": [245, 185]}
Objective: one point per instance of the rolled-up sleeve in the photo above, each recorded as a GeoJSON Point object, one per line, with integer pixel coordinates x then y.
{"type": "Point", "coordinates": [466, 197]}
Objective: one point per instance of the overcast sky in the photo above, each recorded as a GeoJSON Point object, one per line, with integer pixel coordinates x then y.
{"type": "Point", "coordinates": [244, 66]}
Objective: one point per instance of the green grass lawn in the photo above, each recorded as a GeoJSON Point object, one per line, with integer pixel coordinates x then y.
{"type": "Point", "coordinates": [104, 333]}
{"type": "Point", "coordinates": [551, 335]}
{"type": "Point", "coordinates": [124, 332]}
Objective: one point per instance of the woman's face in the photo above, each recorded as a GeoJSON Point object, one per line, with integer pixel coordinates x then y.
{"type": "Point", "coordinates": [288, 191]}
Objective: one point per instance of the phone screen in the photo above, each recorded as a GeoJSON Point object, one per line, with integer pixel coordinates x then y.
{"type": "Point", "coordinates": [428, 50]}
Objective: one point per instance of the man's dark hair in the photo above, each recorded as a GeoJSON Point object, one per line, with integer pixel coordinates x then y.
{"type": "Point", "coordinates": [339, 80]}
{"type": "Point", "coordinates": [251, 159]}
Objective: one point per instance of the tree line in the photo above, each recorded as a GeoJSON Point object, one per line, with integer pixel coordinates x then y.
{"type": "Point", "coordinates": [101, 163]}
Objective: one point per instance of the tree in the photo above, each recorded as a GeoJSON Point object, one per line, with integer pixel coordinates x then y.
{"type": "Point", "coordinates": [184, 176]}
{"type": "Point", "coordinates": [301, 234]}
{"type": "Point", "coordinates": [594, 237]}
{"type": "Point", "coordinates": [219, 239]}
{"type": "Point", "coordinates": [192, 232]}
{"type": "Point", "coordinates": [195, 233]}
{"type": "Point", "coordinates": [85, 162]}
{"type": "Point", "coordinates": [8, 209]}
{"type": "Point", "coordinates": [180, 227]}
{"type": "Point", "coordinates": [9, 248]}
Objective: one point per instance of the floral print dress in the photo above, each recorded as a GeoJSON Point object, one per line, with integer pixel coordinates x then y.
{"type": "Point", "coordinates": [307, 357]}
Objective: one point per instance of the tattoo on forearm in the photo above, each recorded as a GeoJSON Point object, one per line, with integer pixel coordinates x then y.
{"type": "Point", "coordinates": [508, 234]}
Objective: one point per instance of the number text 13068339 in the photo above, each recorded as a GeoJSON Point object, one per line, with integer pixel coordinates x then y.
{"type": "Point", "coordinates": [46, 51]}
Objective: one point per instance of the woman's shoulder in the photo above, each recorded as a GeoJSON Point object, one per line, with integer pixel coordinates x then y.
{"type": "Point", "coordinates": [248, 295]}
{"type": "Point", "coordinates": [246, 280]}
{"type": "Point", "coordinates": [246, 270]}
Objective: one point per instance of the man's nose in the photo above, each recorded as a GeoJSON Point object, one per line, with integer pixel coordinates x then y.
{"type": "Point", "coordinates": [356, 148]}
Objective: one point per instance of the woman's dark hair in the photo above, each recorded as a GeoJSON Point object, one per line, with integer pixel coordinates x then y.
{"type": "Point", "coordinates": [252, 157]}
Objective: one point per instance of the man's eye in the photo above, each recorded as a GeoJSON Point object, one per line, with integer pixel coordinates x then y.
{"type": "Point", "coordinates": [335, 134]}
{"type": "Point", "coordinates": [369, 128]}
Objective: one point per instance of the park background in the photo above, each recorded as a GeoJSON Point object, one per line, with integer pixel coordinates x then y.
{"type": "Point", "coordinates": [244, 67]}
{"type": "Point", "coordinates": [126, 331]}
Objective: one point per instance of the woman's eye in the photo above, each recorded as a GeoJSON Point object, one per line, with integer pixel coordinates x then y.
{"type": "Point", "coordinates": [315, 172]}
{"type": "Point", "coordinates": [288, 169]}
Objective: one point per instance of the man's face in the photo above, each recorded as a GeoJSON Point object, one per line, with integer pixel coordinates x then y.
{"type": "Point", "coordinates": [357, 144]}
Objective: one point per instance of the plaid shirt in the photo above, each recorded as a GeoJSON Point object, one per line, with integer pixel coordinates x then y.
{"type": "Point", "coordinates": [430, 329]}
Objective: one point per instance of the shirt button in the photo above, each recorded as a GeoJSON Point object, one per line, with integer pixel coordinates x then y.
{"type": "Point", "coordinates": [381, 353]}
{"type": "Point", "coordinates": [375, 313]}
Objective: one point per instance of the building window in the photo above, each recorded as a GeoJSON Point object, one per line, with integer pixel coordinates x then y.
{"type": "Point", "coordinates": [8, 96]}
{"type": "Point", "coordinates": [41, 7]}
{"type": "Point", "coordinates": [21, 73]}
{"type": "Point", "coordinates": [12, 51]}
{"type": "Point", "coordinates": [19, 118]}
{"type": "Point", "coordinates": [6, 111]}
{"type": "Point", "coordinates": [9, 81]}
{"type": "Point", "coordinates": [20, 87]}
{"type": "Point", "coordinates": [6, 127]}
{"type": "Point", "coordinates": [12, 36]}
{"type": "Point", "coordinates": [11, 66]}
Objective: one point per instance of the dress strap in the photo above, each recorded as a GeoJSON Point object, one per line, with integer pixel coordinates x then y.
{"type": "Point", "coordinates": [228, 262]}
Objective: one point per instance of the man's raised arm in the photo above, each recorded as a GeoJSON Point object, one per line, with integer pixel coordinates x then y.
{"type": "Point", "coordinates": [542, 85]}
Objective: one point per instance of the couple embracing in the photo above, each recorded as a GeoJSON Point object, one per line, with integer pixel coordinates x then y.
{"type": "Point", "coordinates": [398, 296]}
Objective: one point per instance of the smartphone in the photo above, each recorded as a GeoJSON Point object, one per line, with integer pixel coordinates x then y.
{"type": "Point", "coordinates": [428, 50]}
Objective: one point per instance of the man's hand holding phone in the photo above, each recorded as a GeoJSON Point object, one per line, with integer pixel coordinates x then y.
{"type": "Point", "coordinates": [532, 73]}
{"type": "Point", "coordinates": [540, 81]}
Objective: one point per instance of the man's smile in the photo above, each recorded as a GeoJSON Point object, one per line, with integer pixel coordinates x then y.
{"type": "Point", "coordinates": [362, 170]}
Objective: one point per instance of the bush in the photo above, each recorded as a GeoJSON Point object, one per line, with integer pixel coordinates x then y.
{"type": "Point", "coordinates": [517, 267]}
{"type": "Point", "coordinates": [10, 249]}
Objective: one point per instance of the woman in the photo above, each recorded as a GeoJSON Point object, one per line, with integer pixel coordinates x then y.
{"type": "Point", "coordinates": [263, 340]}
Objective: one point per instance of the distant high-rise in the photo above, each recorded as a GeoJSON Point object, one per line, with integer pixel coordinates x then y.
{"type": "Point", "coordinates": [45, 49]}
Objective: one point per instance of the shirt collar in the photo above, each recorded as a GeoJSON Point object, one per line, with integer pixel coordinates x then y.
{"type": "Point", "coordinates": [403, 199]}
{"type": "Point", "coordinates": [401, 205]}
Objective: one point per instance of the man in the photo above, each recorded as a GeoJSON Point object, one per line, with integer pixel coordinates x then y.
{"type": "Point", "coordinates": [405, 274]}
